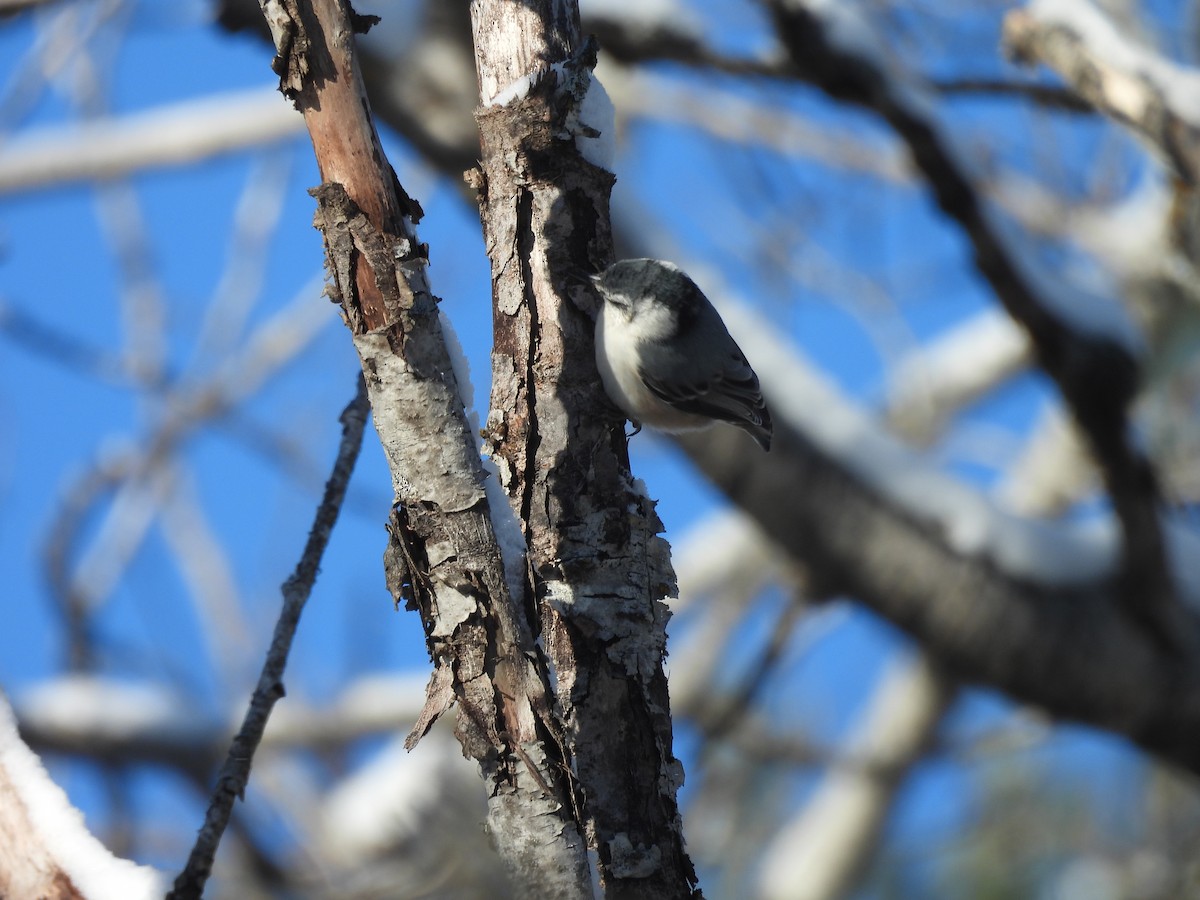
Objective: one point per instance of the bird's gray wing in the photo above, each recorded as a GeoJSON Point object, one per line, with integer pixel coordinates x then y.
{"type": "Point", "coordinates": [730, 392]}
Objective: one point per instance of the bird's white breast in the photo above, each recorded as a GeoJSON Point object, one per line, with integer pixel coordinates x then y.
{"type": "Point", "coordinates": [618, 339]}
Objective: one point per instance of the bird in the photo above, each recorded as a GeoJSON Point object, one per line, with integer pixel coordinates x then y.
{"type": "Point", "coordinates": [666, 358]}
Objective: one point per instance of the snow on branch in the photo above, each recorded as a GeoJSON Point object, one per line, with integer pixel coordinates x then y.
{"type": "Point", "coordinates": [726, 556]}
{"type": "Point", "coordinates": [817, 854]}
{"type": "Point", "coordinates": [935, 381]}
{"type": "Point", "coordinates": [105, 719]}
{"type": "Point", "coordinates": [1022, 606]}
{"type": "Point", "coordinates": [45, 848]}
{"type": "Point", "coordinates": [117, 721]}
{"type": "Point", "coordinates": [1051, 473]}
{"type": "Point", "coordinates": [1077, 337]}
{"type": "Point", "coordinates": [1157, 98]}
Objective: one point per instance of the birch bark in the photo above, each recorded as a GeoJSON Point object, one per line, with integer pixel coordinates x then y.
{"type": "Point", "coordinates": [598, 570]}
{"type": "Point", "coordinates": [443, 559]}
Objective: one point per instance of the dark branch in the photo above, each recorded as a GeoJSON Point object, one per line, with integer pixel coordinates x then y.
{"type": "Point", "coordinates": [1098, 377]}
{"type": "Point", "coordinates": [1047, 95]}
{"type": "Point", "coordinates": [235, 773]}
{"type": "Point", "coordinates": [1067, 650]}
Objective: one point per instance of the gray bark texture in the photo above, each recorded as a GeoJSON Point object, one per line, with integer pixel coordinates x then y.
{"type": "Point", "coordinates": [598, 768]}
{"type": "Point", "coordinates": [443, 559]}
{"type": "Point", "coordinates": [598, 571]}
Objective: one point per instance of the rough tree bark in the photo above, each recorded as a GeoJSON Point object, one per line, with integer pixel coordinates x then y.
{"type": "Point", "coordinates": [443, 560]}
{"type": "Point", "coordinates": [1022, 632]}
{"type": "Point", "coordinates": [601, 764]}
{"type": "Point", "coordinates": [598, 569]}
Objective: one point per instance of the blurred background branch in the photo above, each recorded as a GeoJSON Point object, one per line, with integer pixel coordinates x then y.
{"type": "Point", "coordinates": [169, 380]}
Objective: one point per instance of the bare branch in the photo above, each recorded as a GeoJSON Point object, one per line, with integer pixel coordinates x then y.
{"type": "Point", "coordinates": [1134, 85]}
{"type": "Point", "coordinates": [235, 773]}
{"type": "Point", "coordinates": [632, 40]}
{"type": "Point", "coordinates": [207, 571]}
{"type": "Point", "coordinates": [1045, 95]}
{"type": "Point", "coordinates": [818, 854]}
{"type": "Point", "coordinates": [1028, 609]}
{"type": "Point", "coordinates": [108, 721]}
{"type": "Point", "coordinates": [176, 135]}
{"type": "Point", "coordinates": [61, 347]}
{"type": "Point", "coordinates": [139, 476]}
{"type": "Point", "coordinates": [835, 49]}
{"type": "Point", "coordinates": [729, 116]}
{"type": "Point", "coordinates": [12, 7]}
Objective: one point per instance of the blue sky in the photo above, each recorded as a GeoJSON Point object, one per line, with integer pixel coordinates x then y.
{"type": "Point", "coordinates": [57, 266]}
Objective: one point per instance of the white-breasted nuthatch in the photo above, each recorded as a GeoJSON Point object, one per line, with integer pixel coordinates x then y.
{"type": "Point", "coordinates": [665, 356]}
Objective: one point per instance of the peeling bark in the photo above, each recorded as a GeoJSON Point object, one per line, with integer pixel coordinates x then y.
{"type": "Point", "coordinates": [443, 559]}
{"type": "Point", "coordinates": [599, 570]}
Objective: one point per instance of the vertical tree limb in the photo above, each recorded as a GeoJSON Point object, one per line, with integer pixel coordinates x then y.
{"type": "Point", "coordinates": [599, 570]}
{"type": "Point", "coordinates": [443, 559]}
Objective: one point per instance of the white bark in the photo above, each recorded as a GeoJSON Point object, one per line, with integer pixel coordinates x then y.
{"type": "Point", "coordinates": [599, 570]}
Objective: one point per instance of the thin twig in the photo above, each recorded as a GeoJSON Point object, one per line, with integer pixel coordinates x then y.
{"type": "Point", "coordinates": [1046, 95]}
{"type": "Point", "coordinates": [665, 41]}
{"type": "Point", "coordinates": [729, 715]}
{"type": "Point", "coordinates": [234, 775]}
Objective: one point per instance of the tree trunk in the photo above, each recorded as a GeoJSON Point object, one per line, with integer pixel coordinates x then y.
{"type": "Point", "coordinates": [598, 569]}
